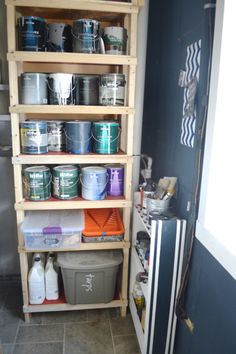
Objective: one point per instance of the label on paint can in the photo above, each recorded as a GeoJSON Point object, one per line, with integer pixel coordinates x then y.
{"type": "Point", "coordinates": [65, 182]}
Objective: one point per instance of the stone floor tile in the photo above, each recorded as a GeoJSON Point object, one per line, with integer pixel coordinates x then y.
{"type": "Point", "coordinates": [40, 333]}
{"type": "Point", "coordinates": [126, 344]}
{"type": "Point", "coordinates": [88, 338]}
{"type": "Point", "coordinates": [122, 325]}
{"type": "Point", "coordinates": [8, 333]}
{"type": "Point", "coordinates": [64, 317]}
{"type": "Point", "coordinates": [7, 348]}
{"type": "Point", "coordinates": [39, 348]}
{"type": "Point", "coordinates": [98, 314]}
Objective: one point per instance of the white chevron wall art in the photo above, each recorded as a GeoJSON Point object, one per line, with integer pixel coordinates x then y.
{"type": "Point", "coordinates": [192, 70]}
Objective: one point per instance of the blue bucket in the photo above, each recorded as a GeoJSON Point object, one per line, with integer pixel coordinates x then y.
{"type": "Point", "coordinates": [78, 137]}
{"type": "Point", "coordinates": [32, 33]}
{"type": "Point", "coordinates": [94, 182]}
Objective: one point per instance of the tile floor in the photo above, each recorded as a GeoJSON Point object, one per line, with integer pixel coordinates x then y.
{"type": "Point", "coordinates": [72, 332]}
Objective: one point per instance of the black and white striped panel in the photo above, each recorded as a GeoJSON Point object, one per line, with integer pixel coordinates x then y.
{"type": "Point", "coordinates": [192, 69]}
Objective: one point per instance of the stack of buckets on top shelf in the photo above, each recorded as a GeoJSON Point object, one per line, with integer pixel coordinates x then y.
{"type": "Point", "coordinates": [96, 182]}
{"type": "Point", "coordinates": [86, 36]}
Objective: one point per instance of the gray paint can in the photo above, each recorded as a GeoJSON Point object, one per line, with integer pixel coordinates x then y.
{"type": "Point", "coordinates": [56, 135]}
{"type": "Point", "coordinates": [34, 88]}
{"type": "Point", "coordinates": [112, 90]}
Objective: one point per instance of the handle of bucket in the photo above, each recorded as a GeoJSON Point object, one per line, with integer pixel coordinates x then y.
{"type": "Point", "coordinates": [27, 183]}
{"type": "Point", "coordinates": [100, 141]}
{"type": "Point", "coordinates": [56, 91]}
{"type": "Point", "coordinates": [77, 141]}
{"type": "Point", "coordinates": [94, 36]}
{"type": "Point", "coordinates": [105, 186]}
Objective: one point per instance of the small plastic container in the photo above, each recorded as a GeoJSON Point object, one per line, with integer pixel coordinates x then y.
{"type": "Point", "coordinates": [53, 229]}
{"type": "Point", "coordinates": [90, 276]}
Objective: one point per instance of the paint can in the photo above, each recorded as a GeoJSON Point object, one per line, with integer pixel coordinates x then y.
{"type": "Point", "coordinates": [61, 89]}
{"type": "Point", "coordinates": [78, 137]}
{"type": "Point", "coordinates": [115, 185]}
{"type": "Point", "coordinates": [65, 182]}
{"type": "Point", "coordinates": [32, 33]}
{"type": "Point", "coordinates": [59, 37]}
{"type": "Point", "coordinates": [86, 90]}
{"type": "Point", "coordinates": [34, 137]}
{"type": "Point", "coordinates": [86, 36]}
{"type": "Point", "coordinates": [93, 182]}
{"type": "Point", "coordinates": [105, 137]}
{"type": "Point", "coordinates": [56, 136]}
{"type": "Point", "coordinates": [34, 88]}
{"type": "Point", "coordinates": [115, 40]}
{"type": "Point", "coordinates": [37, 183]}
{"type": "Point", "coordinates": [112, 90]}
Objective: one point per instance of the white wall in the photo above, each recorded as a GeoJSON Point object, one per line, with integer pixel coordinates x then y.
{"type": "Point", "coordinates": [216, 227]}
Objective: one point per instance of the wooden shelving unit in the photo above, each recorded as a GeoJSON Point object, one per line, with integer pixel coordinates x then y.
{"type": "Point", "coordinates": [108, 13]}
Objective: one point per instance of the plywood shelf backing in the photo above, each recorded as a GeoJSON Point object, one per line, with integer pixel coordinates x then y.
{"type": "Point", "coordinates": [108, 13]}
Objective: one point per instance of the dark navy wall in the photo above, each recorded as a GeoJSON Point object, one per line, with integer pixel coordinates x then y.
{"type": "Point", "coordinates": [173, 25]}
{"type": "Point", "coordinates": [211, 306]}
{"type": "Point", "coordinates": [211, 293]}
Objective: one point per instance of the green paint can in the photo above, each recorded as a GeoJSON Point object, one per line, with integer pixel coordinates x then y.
{"type": "Point", "coordinates": [65, 182]}
{"type": "Point", "coordinates": [106, 137]}
{"type": "Point", "coordinates": [37, 183]}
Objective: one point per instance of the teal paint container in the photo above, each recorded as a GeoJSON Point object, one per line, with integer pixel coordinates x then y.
{"type": "Point", "coordinates": [37, 183]}
{"type": "Point", "coordinates": [105, 137]}
{"type": "Point", "coordinates": [65, 182]}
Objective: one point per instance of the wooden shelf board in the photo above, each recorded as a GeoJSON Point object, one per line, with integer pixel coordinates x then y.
{"type": "Point", "coordinates": [50, 57]}
{"type": "Point", "coordinates": [66, 158]}
{"type": "Point", "coordinates": [84, 247]}
{"type": "Point", "coordinates": [70, 109]}
{"type": "Point", "coordinates": [77, 203]}
{"type": "Point", "coordinates": [68, 307]}
{"type": "Point", "coordinates": [88, 5]}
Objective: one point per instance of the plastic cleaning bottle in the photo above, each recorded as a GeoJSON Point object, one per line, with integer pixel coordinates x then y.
{"type": "Point", "coordinates": [54, 260]}
{"type": "Point", "coordinates": [51, 281]}
{"type": "Point", "coordinates": [36, 283]}
{"type": "Point", "coordinates": [41, 256]}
